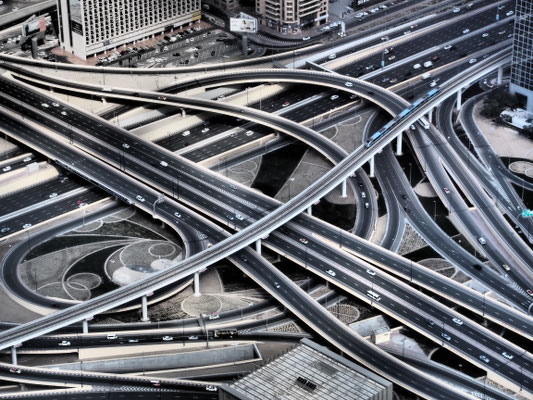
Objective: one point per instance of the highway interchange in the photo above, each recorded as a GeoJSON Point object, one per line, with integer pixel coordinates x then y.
{"type": "Point", "coordinates": [217, 198]}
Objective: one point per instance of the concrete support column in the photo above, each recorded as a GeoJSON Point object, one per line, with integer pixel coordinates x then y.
{"type": "Point", "coordinates": [500, 75]}
{"type": "Point", "coordinates": [104, 101]}
{"type": "Point", "coordinates": [85, 326]}
{"type": "Point", "coordinates": [14, 355]}
{"type": "Point", "coordinates": [310, 210]}
{"type": "Point", "coordinates": [372, 171]}
{"type": "Point", "coordinates": [144, 317]}
{"type": "Point", "coordinates": [459, 93]}
{"type": "Point", "coordinates": [197, 284]}
{"type": "Point", "coordinates": [258, 246]}
{"type": "Point", "coordinates": [183, 113]}
{"type": "Point", "coordinates": [399, 141]}
{"type": "Point", "coordinates": [430, 116]}
{"type": "Point", "coordinates": [343, 188]}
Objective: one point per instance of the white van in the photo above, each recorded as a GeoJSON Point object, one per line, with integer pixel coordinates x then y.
{"type": "Point", "coordinates": [373, 295]}
{"type": "Point", "coordinates": [428, 64]}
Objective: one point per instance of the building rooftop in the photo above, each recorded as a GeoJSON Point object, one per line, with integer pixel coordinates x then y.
{"type": "Point", "coordinates": [310, 371]}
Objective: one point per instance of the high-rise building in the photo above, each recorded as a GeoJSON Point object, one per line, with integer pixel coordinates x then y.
{"type": "Point", "coordinates": [291, 16]}
{"type": "Point", "coordinates": [522, 67]}
{"type": "Point", "coordinates": [88, 27]}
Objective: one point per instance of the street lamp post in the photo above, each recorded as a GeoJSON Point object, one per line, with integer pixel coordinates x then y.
{"type": "Point", "coordinates": [434, 210]}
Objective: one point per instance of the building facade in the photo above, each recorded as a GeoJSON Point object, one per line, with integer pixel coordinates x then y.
{"type": "Point", "coordinates": [88, 27]}
{"type": "Point", "coordinates": [522, 66]}
{"type": "Point", "coordinates": [291, 16]}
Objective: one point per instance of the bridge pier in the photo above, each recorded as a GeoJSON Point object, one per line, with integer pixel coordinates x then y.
{"type": "Point", "coordinates": [372, 172]}
{"type": "Point", "coordinates": [430, 116]}
{"type": "Point", "coordinates": [459, 93]}
{"type": "Point", "coordinates": [183, 113]}
{"type": "Point", "coordinates": [310, 210]}
{"type": "Point", "coordinates": [258, 246]}
{"type": "Point", "coordinates": [144, 317]}
{"type": "Point", "coordinates": [399, 141]}
{"type": "Point", "coordinates": [14, 355]}
{"type": "Point", "coordinates": [85, 326]}
{"type": "Point", "coordinates": [500, 75]}
{"type": "Point", "coordinates": [343, 188]}
{"type": "Point", "coordinates": [197, 284]}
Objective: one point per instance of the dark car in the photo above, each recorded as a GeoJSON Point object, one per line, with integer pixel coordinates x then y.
{"type": "Point", "coordinates": [478, 267]}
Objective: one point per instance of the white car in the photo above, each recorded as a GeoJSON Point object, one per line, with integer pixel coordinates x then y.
{"type": "Point", "coordinates": [6, 169]}
{"type": "Point", "coordinates": [456, 10]}
{"type": "Point", "coordinates": [64, 343]}
{"type": "Point", "coordinates": [205, 130]}
{"type": "Point", "coordinates": [177, 214]}
{"type": "Point", "coordinates": [112, 336]}
{"type": "Point", "coordinates": [306, 38]}
{"type": "Point", "coordinates": [433, 84]}
{"type": "Point", "coordinates": [211, 388]}
{"type": "Point", "coordinates": [214, 316]}
{"type": "Point", "coordinates": [239, 217]}
{"type": "Point", "coordinates": [370, 272]}
{"type": "Point", "coordinates": [26, 226]}
{"type": "Point", "coordinates": [63, 112]}
{"type": "Point", "coordinates": [55, 104]}
{"type": "Point", "coordinates": [484, 358]}
{"type": "Point", "coordinates": [167, 338]}
{"type": "Point", "coordinates": [457, 321]}
{"type": "Point", "coordinates": [140, 198]}
{"type": "Point", "coordinates": [447, 47]}
{"type": "Point", "coordinates": [44, 105]}
{"type": "Point", "coordinates": [164, 164]}
{"type": "Point", "coordinates": [465, 31]}
{"type": "Point", "coordinates": [446, 336]}
{"type": "Point", "coordinates": [509, 13]}
{"type": "Point", "coordinates": [186, 133]}
{"type": "Point", "coordinates": [507, 355]}
{"type": "Point", "coordinates": [485, 34]}
{"type": "Point", "coordinates": [249, 133]}
{"type": "Point", "coordinates": [334, 97]}
{"type": "Point", "coordinates": [331, 272]}
{"type": "Point", "coordinates": [482, 240]}
{"type": "Point", "coordinates": [332, 56]}
{"type": "Point", "coordinates": [52, 195]}
{"type": "Point", "coordinates": [348, 84]}
{"type": "Point", "coordinates": [125, 145]}
{"type": "Point", "coordinates": [472, 61]}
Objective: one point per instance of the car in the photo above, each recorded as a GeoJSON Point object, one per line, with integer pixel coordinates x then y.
{"type": "Point", "coordinates": [506, 267]}
{"type": "Point", "coordinates": [509, 13]}
{"type": "Point", "coordinates": [472, 61]}
{"type": "Point", "coordinates": [205, 130]}
{"type": "Point", "coordinates": [133, 340]}
{"type": "Point", "coordinates": [406, 209]}
{"type": "Point", "coordinates": [484, 358]}
{"type": "Point", "coordinates": [331, 272]}
{"type": "Point", "coordinates": [125, 145]}
{"type": "Point", "coordinates": [233, 187]}
{"type": "Point", "coordinates": [482, 240]}
{"type": "Point", "coordinates": [435, 58]}
{"type": "Point", "coordinates": [363, 195]}
{"type": "Point", "coordinates": [163, 164]}
{"type": "Point", "coordinates": [161, 97]}
{"type": "Point", "coordinates": [155, 383]}
{"type": "Point", "coordinates": [369, 67]}
{"type": "Point", "coordinates": [432, 84]}
{"type": "Point", "coordinates": [332, 56]}
{"type": "Point", "coordinates": [507, 355]}
{"type": "Point", "coordinates": [112, 336]}
{"type": "Point", "coordinates": [167, 338]}
{"type": "Point", "coordinates": [229, 217]}
{"type": "Point", "coordinates": [478, 267]}
{"type": "Point", "coordinates": [501, 32]}
{"type": "Point", "coordinates": [285, 104]}
{"type": "Point", "coordinates": [186, 133]}
{"type": "Point", "coordinates": [276, 285]}
{"type": "Point", "coordinates": [447, 47]}
{"type": "Point", "coordinates": [334, 97]}
{"type": "Point", "coordinates": [177, 214]}
{"type": "Point", "coordinates": [26, 226]}
{"type": "Point", "coordinates": [249, 133]}
{"type": "Point", "coordinates": [530, 292]}
{"type": "Point", "coordinates": [393, 57]}
{"type": "Point", "coordinates": [304, 240]}
{"type": "Point", "coordinates": [446, 190]}
{"type": "Point", "coordinates": [44, 105]}
{"type": "Point", "coordinates": [458, 321]}
{"type": "Point", "coordinates": [64, 343]}
{"type": "Point", "coordinates": [214, 316]}
{"type": "Point", "coordinates": [465, 31]}
{"type": "Point", "coordinates": [371, 272]}
{"type": "Point", "coordinates": [485, 34]}
{"type": "Point", "coordinates": [456, 10]}
{"type": "Point", "coordinates": [239, 217]}
{"type": "Point", "coordinates": [6, 169]}
{"type": "Point", "coordinates": [64, 113]}
{"type": "Point", "coordinates": [15, 370]}
{"type": "Point", "coordinates": [348, 84]}
{"type": "Point", "coordinates": [306, 38]}
{"type": "Point", "coordinates": [243, 257]}
{"type": "Point", "coordinates": [52, 195]}
{"type": "Point", "coordinates": [193, 337]}
{"type": "Point", "coordinates": [446, 336]}
{"type": "Point", "coordinates": [4, 229]}
{"type": "Point", "coordinates": [211, 388]}
{"type": "Point", "coordinates": [430, 322]}
{"type": "Point", "coordinates": [393, 80]}
{"type": "Point", "coordinates": [417, 66]}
